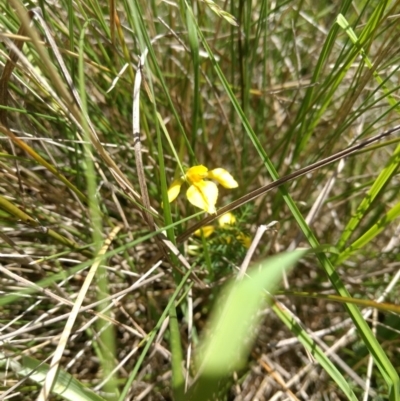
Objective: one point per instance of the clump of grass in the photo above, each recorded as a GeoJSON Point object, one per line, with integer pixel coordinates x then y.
{"type": "Point", "coordinates": [104, 105]}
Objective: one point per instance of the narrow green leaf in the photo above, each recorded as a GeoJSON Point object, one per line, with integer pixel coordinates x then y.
{"type": "Point", "coordinates": [228, 339]}
{"type": "Point", "coordinates": [310, 345]}
{"type": "Point", "coordinates": [378, 227]}
{"type": "Point", "coordinates": [178, 381]}
{"type": "Point", "coordinates": [66, 386]}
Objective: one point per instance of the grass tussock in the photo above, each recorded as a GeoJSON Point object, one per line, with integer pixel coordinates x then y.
{"type": "Point", "coordinates": [109, 291]}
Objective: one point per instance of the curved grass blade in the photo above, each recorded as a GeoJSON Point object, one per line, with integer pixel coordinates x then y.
{"type": "Point", "coordinates": [66, 386]}
{"type": "Point", "coordinates": [178, 381]}
{"type": "Point", "coordinates": [230, 326]}
{"type": "Point", "coordinates": [194, 50]}
{"type": "Point", "coordinates": [233, 324]}
{"type": "Point", "coordinates": [22, 145]}
{"type": "Point", "coordinates": [21, 216]}
{"type": "Point", "coordinates": [310, 345]}
{"type": "Point", "coordinates": [378, 227]}
{"type": "Point", "coordinates": [383, 306]}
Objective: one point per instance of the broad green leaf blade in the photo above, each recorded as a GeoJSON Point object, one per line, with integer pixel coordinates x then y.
{"type": "Point", "coordinates": [229, 336]}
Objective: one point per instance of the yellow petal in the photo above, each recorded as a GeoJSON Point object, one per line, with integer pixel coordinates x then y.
{"type": "Point", "coordinates": [227, 218]}
{"type": "Point", "coordinates": [206, 231]}
{"type": "Point", "coordinates": [244, 239]}
{"type": "Point", "coordinates": [204, 195]}
{"type": "Point", "coordinates": [223, 177]}
{"type": "Point", "coordinates": [196, 173]}
{"type": "Point", "coordinates": [174, 189]}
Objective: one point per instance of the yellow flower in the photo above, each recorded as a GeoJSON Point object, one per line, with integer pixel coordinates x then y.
{"type": "Point", "coordinates": [206, 231]}
{"type": "Point", "coordinates": [227, 218]}
{"type": "Point", "coordinates": [244, 239]}
{"type": "Point", "coordinates": [202, 193]}
{"type": "Point", "coordinates": [223, 221]}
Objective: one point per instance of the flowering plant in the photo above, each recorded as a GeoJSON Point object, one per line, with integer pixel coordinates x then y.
{"type": "Point", "coordinates": [202, 192]}
{"type": "Point", "coordinates": [225, 221]}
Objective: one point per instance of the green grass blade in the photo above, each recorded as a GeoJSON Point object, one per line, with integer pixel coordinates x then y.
{"type": "Point", "coordinates": [178, 381]}
{"type": "Point", "coordinates": [333, 86]}
{"type": "Point", "coordinates": [49, 281]}
{"type": "Point", "coordinates": [370, 234]}
{"type": "Point", "coordinates": [310, 345]}
{"type": "Point", "coordinates": [194, 48]}
{"type": "Point", "coordinates": [138, 22]}
{"type": "Point", "coordinates": [302, 120]}
{"type": "Point", "coordinates": [149, 340]}
{"type": "Point", "coordinates": [65, 386]}
{"type": "Point", "coordinates": [234, 317]}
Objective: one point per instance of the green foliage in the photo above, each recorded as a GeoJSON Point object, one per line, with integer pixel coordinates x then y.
{"type": "Point", "coordinates": [228, 339]}
{"type": "Point", "coordinates": [221, 252]}
{"type": "Point", "coordinates": [65, 386]}
{"type": "Point", "coordinates": [103, 105]}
